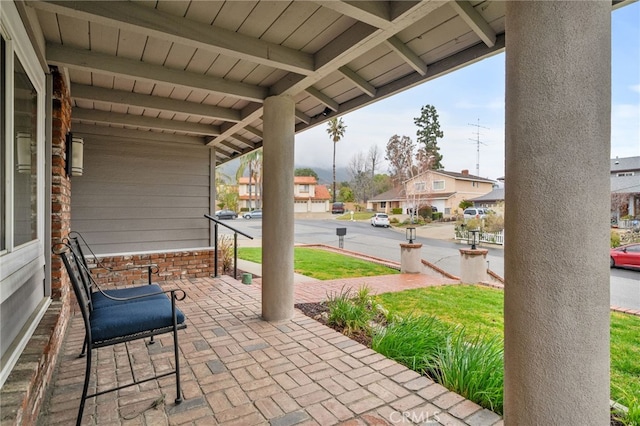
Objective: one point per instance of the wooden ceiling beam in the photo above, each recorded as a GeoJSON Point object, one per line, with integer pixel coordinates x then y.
{"type": "Point", "coordinates": [120, 97]}
{"type": "Point", "coordinates": [111, 65]}
{"type": "Point", "coordinates": [475, 21]}
{"type": "Point", "coordinates": [106, 117]}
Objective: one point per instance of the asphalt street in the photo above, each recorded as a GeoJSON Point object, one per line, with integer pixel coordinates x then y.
{"type": "Point", "coordinates": [384, 242]}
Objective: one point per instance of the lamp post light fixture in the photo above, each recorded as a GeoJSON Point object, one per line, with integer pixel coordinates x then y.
{"type": "Point", "coordinates": [411, 234]}
{"type": "Point", "coordinates": [473, 238]}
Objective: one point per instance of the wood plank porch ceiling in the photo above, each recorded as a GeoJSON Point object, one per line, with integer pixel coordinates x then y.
{"type": "Point", "coordinates": [200, 70]}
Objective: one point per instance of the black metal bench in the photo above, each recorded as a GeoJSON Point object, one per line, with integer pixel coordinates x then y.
{"type": "Point", "coordinates": [122, 315]}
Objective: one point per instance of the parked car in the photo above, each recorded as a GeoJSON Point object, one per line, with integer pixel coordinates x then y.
{"type": "Point", "coordinates": [380, 219]}
{"type": "Point", "coordinates": [627, 256]}
{"type": "Point", "coordinates": [337, 208]}
{"type": "Point", "coordinates": [475, 213]}
{"type": "Point", "coordinates": [255, 214]}
{"type": "Point", "coordinates": [226, 214]}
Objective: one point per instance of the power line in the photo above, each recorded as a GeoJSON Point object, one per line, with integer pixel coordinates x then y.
{"type": "Point", "coordinates": [477, 141]}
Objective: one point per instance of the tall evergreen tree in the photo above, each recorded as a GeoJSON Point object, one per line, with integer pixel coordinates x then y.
{"type": "Point", "coordinates": [428, 134]}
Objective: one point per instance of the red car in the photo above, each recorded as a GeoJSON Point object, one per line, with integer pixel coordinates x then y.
{"type": "Point", "coordinates": [627, 256]}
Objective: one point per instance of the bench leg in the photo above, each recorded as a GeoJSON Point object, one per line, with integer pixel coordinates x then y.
{"type": "Point", "coordinates": [84, 348]}
{"type": "Point", "coordinates": [87, 376]}
{"type": "Point", "coordinates": [175, 351]}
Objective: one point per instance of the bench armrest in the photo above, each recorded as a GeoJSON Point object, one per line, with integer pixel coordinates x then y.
{"type": "Point", "coordinates": [176, 294]}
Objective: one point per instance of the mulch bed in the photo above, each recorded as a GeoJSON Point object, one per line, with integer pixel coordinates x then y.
{"type": "Point", "coordinates": [319, 311]}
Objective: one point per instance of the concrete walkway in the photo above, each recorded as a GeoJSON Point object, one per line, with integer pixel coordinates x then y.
{"type": "Point", "coordinates": [240, 370]}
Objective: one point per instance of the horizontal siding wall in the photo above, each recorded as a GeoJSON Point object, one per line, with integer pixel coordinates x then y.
{"type": "Point", "coordinates": [141, 195]}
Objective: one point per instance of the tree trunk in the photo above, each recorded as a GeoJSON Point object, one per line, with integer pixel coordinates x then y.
{"type": "Point", "coordinates": [334, 172]}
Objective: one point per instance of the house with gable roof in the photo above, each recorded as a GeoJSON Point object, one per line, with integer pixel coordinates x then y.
{"type": "Point", "coordinates": [441, 189]}
{"type": "Point", "coordinates": [308, 195]}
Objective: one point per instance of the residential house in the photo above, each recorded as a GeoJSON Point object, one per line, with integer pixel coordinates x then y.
{"type": "Point", "coordinates": [438, 188]}
{"type": "Point", "coordinates": [309, 196]}
{"type": "Point", "coordinates": [494, 200]}
{"type": "Point", "coordinates": [387, 201]}
{"type": "Point", "coordinates": [625, 188]}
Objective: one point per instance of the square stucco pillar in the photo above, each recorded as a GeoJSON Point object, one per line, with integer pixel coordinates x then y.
{"type": "Point", "coordinates": [278, 219]}
{"type": "Point", "coordinates": [558, 102]}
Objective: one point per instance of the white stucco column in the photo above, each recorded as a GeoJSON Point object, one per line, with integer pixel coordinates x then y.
{"type": "Point", "coordinates": [473, 265]}
{"type": "Point", "coordinates": [558, 102]}
{"type": "Point", "coordinates": [410, 261]}
{"type": "Point", "coordinates": [278, 221]}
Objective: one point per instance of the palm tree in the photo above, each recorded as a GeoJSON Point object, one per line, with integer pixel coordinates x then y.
{"type": "Point", "coordinates": [336, 132]}
{"type": "Point", "coordinates": [252, 161]}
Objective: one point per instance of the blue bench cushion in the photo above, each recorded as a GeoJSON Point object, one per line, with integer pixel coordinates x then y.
{"type": "Point", "coordinates": [130, 318]}
{"type": "Point", "coordinates": [100, 301]}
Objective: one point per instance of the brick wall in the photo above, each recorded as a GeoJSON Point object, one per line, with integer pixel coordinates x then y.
{"type": "Point", "coordinates": [171, 266]}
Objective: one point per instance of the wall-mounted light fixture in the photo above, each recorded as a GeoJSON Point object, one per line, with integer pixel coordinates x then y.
{"type": "Point", "coordinates": [23, 148]}
{"type": "Point", "coordinates": [75, 155]}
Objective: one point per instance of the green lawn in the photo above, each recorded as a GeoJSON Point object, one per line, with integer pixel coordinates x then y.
{"type": "Point", "coordinates": [322, 264]}
{"type": "Point", "coordinates": [480, 309]}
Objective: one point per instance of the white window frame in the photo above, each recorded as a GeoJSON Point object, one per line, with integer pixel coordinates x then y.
{"type": "Point", "coordinates": [435, 187]}
{"type": "Point", "coordinates": [20, 262]}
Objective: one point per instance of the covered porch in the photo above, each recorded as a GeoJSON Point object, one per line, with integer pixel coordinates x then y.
{"type": "Point", "coordinates": [163, 92]}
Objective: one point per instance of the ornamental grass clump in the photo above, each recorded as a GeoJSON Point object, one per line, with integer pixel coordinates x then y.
{"type": "Point", "coordinates": [473, 367]}
{"type": "Point", "coordinates": [413, 342]}
{"type": "Point", "coordinates": [351, 315]}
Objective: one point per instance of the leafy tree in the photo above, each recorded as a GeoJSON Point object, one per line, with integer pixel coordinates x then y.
{"type": "Point", "coordinates": [336, 130]}
{"type": "Point", "coordinates": [306, 172]}
{"type": "Point", "coordinates": [346, 194]}
{"type": "Point", "coordinates": [428, 134]}
{"type": "Point", "coordinates": [464, 204]}
{"type": "Point", "coordinates": [381, 183]}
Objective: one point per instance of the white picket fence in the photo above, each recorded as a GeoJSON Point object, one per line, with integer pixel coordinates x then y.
{"type": "Point", "coordinates": [485, 237]}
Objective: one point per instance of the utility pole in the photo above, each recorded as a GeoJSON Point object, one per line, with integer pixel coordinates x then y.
{"type": "Point", "coordinates": [477, 141]}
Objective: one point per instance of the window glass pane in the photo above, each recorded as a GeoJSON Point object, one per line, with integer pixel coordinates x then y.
{"type": "Point", "coordinates": [3, 146]}
{"type": "Point", "coordinates": [25, 222]}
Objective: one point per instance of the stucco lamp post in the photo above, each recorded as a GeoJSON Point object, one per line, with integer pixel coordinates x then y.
{"type": "Point", "coordinates": [410, 262]}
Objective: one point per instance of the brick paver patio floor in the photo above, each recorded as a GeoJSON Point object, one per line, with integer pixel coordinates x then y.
{"type": "Point", "coordinates": [240, 370]}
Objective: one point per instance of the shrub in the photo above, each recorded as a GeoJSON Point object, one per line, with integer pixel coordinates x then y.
{"type": "Point", "coordinates": [394, 220]}
{"type": "Point", "coordinates": [396, 210]}
{"type": "Point", "coordinates": [225, 252]}
{"type": "Point", "coordinates": [425, 212]}
{"type": "Point", "coordinates": [436, 216]}
{"type": "Point", "coordinates": [413, 342]}
{"type": "Point", "coordinates": [493, 223]}
{"type": "Point", "coordinates": [472, 368]}
{"type": "Point", "coordinates": [615, 239]}
{"type": "Point", "coordinates": [352, 316]}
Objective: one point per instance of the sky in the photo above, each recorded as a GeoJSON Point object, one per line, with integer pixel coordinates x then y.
{"type": "Point", "coordinates": [475, 95]}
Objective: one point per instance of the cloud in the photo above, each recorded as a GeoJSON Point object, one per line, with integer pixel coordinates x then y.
{"type": "Point", "coordinates": [635, 88]}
